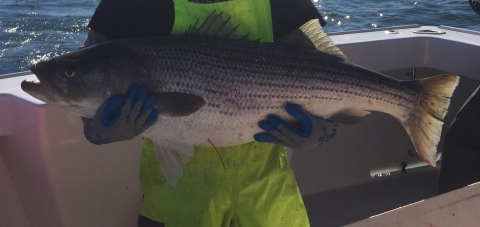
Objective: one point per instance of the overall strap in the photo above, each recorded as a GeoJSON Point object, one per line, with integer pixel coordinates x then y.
{"type": "Point", "coordinates": [253, 16]}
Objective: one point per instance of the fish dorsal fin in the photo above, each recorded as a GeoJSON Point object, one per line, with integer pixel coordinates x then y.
{"type": "Point", "coordinates": [215, 26]}
{"type": "Point", "coordinates": [311, 36]}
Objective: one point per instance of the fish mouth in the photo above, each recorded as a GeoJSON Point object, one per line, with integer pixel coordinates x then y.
{"type": "Point", "coordinates": [36, 88]}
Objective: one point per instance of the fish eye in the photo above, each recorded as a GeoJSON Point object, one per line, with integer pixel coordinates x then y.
{"type": "Point", "coordinates": [69, 73]}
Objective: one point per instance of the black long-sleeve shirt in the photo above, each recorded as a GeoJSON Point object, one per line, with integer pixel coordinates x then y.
{"type": "Point", "coordinates": [117, 19]}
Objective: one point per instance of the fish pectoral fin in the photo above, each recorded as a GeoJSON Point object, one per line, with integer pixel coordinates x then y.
{"type": "Point", "coordinates": [173, 158]}
{"type": "Point", "coordinates": [311, 36]}
{"type": "Point", "coordinates": [176, 104]}
{"type": "Point", "coordinates": [351, 117]}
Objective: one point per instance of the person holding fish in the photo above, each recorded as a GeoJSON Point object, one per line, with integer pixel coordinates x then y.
{"type": "Point", "coordinates": [256, 186]}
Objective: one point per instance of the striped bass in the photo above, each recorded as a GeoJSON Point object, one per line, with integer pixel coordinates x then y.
{"type": "Point", "coordinates": [217, 88]}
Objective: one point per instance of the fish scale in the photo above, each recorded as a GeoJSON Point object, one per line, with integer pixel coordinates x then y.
{"type": "Point", "coordinates": [251, 84]}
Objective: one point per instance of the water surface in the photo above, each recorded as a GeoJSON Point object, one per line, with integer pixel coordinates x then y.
{"type": "Point", "coordinates": [33, 30]}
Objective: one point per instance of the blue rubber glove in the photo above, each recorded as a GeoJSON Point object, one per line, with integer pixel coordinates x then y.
{"type": "Point", "coordinates": [122, 117]}
{"type": "Point", "coordinates": [312, 132]}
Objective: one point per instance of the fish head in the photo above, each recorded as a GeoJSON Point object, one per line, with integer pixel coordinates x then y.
{"type": "Point", "coordinates": [80, 81]}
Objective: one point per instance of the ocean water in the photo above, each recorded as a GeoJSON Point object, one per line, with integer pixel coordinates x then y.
{"type": "Point", "coordinates": [35, 30]}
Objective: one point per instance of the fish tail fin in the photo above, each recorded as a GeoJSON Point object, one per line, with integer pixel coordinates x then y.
{"type": "Point", "coordinates": [425, 126]}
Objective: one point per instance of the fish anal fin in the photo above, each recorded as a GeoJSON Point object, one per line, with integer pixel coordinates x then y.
{"type": "Point", "coordinates": [173, 158]}
{"type": "Point", "coordinates": [177, 104]}
{"type": "Point", "coordinates": [350, 117]}
{"type": "Point", "coordinates": [215, 26]}
{"type": "Point", "coordinates": [311, 36]}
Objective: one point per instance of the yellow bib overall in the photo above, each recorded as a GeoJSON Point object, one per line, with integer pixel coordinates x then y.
{"type": "Point", "coordinates": [258, 187]}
